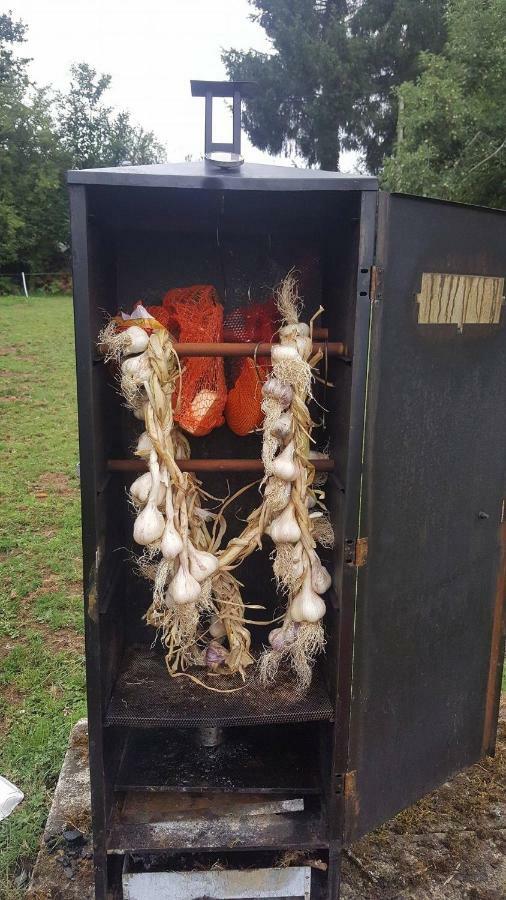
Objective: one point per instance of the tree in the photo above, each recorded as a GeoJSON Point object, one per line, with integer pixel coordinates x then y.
{"type": "Point", "coordinates": [394, 32]}
{"type": "Point", "coordinates": [452, 140]}
{"type": "Point", "coordinates": [30, 207]}
{"type": "Point", "coordinates": [329, 82]}
{"type": "Point", "coordinates": [43, 135]}
{"type": "Point", "coordinates": [92, 133]}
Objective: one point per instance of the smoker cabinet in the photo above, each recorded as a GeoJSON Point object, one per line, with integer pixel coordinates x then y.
{"type": "Point", "coordinates": [407, 691]}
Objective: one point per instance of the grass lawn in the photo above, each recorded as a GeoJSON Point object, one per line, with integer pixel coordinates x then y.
{"type": "Point", "coordinates": [41, 629]}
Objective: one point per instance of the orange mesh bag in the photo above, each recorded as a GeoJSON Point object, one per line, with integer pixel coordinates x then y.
{"type": "Point", "coordinates": [256, 322]}
{"type": "Point", "coordinates": [194, 314]}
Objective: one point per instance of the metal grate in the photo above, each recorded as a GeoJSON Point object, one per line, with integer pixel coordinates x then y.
{"type": "Point", "coordinates": [145, 696]}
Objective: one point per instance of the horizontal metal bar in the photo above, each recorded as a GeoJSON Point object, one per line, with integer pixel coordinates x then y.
{"type": "Point", "coordinates": [335, 348]}
{"type": "Point", "coordinates": [209, 465]}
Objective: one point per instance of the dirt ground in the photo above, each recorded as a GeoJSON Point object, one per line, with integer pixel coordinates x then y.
{"type": "Point", "coordinates": [449, 846]}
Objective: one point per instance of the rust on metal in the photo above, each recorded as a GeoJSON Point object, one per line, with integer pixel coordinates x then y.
{"type": "Point", "coordinates": [351, 799]}
{"type": "Point", "coordinates": [93, 602]}
{"type": "Point", "coordinates": [356, 552]}
{"type": "Point", "coordinates": [361, 551]}
{"type": "Point", "coordinates": [376, 284]}
{"type": "Point", "coordinates": [331, 348]}
{"type": "Point", "coordinates": [496, 648]}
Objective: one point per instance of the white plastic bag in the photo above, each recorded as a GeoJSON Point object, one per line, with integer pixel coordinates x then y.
{"type": "Point", "coordinates": [10, 796]}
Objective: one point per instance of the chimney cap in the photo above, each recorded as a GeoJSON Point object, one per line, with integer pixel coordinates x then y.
{"type": "Point", "coordinates": [223, 88]}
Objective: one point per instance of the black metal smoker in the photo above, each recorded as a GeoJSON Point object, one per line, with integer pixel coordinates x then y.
{"type": "Point", "coordinates": [407, 693]}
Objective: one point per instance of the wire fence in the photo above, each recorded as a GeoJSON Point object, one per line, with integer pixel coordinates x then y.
{"type": "Point", "coordinates": [35, 284]}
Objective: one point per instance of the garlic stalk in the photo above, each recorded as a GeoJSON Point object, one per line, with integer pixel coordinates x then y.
{"type": "Point", "coordinates": [171, 543]}
{"type": "Point", "coordinates": [149, 524]}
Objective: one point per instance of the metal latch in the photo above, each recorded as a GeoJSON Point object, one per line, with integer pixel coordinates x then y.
{"type": "Point", "coordinates": [376, 284]}
{"type": "Point", "coordinates": [355, 552]}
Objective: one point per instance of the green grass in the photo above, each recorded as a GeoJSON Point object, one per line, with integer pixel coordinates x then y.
{"type": "Point", "coordinates": [41, 645]}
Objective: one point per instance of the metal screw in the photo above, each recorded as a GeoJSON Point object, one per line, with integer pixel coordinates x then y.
{"type": "Point", "coordinates": [483, 515]}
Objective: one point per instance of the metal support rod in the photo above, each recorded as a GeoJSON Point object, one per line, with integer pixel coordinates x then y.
{"type": "Point", "coordinates": [334, 348]}
{"type": "Point", "coordinates": [210, 465]}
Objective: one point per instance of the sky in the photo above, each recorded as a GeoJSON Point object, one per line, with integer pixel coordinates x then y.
{"type": "Point", "coordinates": [151, 49]}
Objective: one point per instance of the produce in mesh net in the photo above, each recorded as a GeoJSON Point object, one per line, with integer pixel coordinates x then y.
{"type": "Point", "coordinates": [194, 314]}
{"type": "Point", "coordinates": [255, 322]}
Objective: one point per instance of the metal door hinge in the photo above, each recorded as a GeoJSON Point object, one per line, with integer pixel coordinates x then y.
{"type": "Point", "coordinates": [355, 552]}
{"type": "Point", "coordinates": [351, 796]}
{"type": "Point", "coordinates": [376, 284]}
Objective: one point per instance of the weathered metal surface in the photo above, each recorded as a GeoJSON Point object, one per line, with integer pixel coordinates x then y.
{"type": "Point", "coordinates": [431, 504]}
{"type": "Point", "coordinates": [497, 648]}
{"type": "Point", "coordinates": [146, 806]}
{"type": "Point", "coordinates": [145, 696]}
{"type": "Point", "coordinates": [294, 883]}
{"type": "Point", "coordinates": [250, 177]}
{"type": "Point", "coordinates": [460, 299]}
{"type": "Point", "coordinates": [274, 832]}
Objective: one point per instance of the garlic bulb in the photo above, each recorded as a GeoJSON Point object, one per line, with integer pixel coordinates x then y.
{"type": "Point", "coordinates": [307, 605]}
{"type": "Point", "coordinates": [283, 427]}
{"type": "Point", "coordinates": [320, 576]}
{"type": "Point", "coordinates": [277, 492]}
{"type": "Point", "coordinates": [136, 367]}
{"type": "Point", "coordinates": [183, 587]}
{"type": "Point", "coordinates": [304, 346]}
{"type": "Point", "coordinates": [215, 655]}
{"type": "Point", "coordinates": [149, 524]}
{"type": "Point", "coordinates": [284, 465]}
{"type": "Point", "coordinates": [284, 528]}
{"type": "Point", "coordinates": [136, 340]}
{"type": "Point", "coordinates": [139, 490]}
{"type": "Point", "coordinates": [294, 329]}
{"type": "Point", "coordinates": [171, 543]}
{"type": "Point", "coordinates": [217, 628]}
{"type": "Point", "coordinates": [283, 352]}
{"type": "Point", "coordinates": [144, 444]}
{"type": "Point", "coordinates": [279, 638]}
{"type": "Point", "coordinates": [202, 563]}
{"type": "Point", "coordinates": [279, 391]}
{"type": "Point", "coordinates": [139, 411]}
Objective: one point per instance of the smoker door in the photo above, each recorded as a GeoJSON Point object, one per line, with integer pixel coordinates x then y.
{"type": "Point", "coordinates": [428, 636]}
